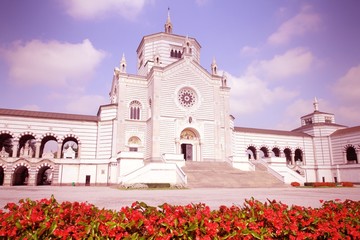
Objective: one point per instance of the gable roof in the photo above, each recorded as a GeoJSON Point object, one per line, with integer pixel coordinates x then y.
{"type": "Point", "coordinates": [47, 115]}
{"type": "Point", "coordinates": [345, 131]}
{"type": "Point", "coordinates": [310, 126]}
{"type": "Point", "coordinates": [316, 112]}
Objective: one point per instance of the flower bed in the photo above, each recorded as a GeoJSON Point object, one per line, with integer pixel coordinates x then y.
{"type": "Point", "coordinates": [48, 219]}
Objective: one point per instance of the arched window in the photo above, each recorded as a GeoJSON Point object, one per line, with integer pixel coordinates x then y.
{"type": "Point", "coordinates": [264, 151]}
{"type": "Point", "coordinates": [298, 155]}
{"type": "Point", "coordinates": [134, 143]}
{"type": "Point", "coordinates": [351, 156]}
{"type": "Point", "coordinates": [287, 152]}
{"type": "Point", "coordinates": [251, 152]}
{"type": "Point", "coordinates": [135, 107]}
{"type": "Point", "coordinates": [276, 152]}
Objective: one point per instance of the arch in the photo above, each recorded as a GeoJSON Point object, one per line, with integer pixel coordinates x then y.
{"type": "Point", "coordinates": [188, 134]}
{"type": "Point", "coordinates": [135, 110]}
{"type": "Point", "coordinates": [134, 143]}
{"type": "Point", "coordinates": [6, 144]}
{"type": "Point", "coordinates": [172, 53]}
{"type": "Point", "coordinates": [27, 145]}
{"type": "Point", "coordinates": [287, 153]}
{"type": "Point", "coordinates": [20, 174]}
{"type": "Point", "coordinates": [189, 144]}
{"type": "Point", "coordinates": [48, 145]}
{"type": "Point", "coordinates": [298, 155]}
{"type": "Point", "coordinates": [276, 151]}
{"type": "Point", "coordinates": [70, 135]}
{"type": "Point", "coordinates": [44, 174]}
{"type": "Point", "coordinates": [265, 151]}
{"type": "Point", "coordinates": [251, 151]}
{"type": "Point", "coordinates": [134, 140]}
{"type": "Point", "coordinates": [351, 156]}
{"type": "Point", "coordinates": [50, 134]}
{"type": "Point", "coordinates": [70, 141]}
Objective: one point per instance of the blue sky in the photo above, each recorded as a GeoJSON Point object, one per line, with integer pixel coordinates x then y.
{"type": "Point", "coordinates": [59, 55]}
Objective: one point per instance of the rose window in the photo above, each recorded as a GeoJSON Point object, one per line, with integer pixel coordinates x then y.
{"type": "Point", "coordinates": [187, 97]}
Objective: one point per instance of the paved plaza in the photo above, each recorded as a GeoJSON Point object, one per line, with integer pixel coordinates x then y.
{"type": "Point", "coordinates": [113, 198]}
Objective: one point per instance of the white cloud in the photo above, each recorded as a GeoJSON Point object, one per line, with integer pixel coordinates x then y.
{"type": "Point", "coordinates": [249, 94]}
{"type": "Point", "coordinates": [293, 112]}
{"type": "Point", "coordinates": [249, 51]}
{"type": "Point", "coordinates": [52, 63]}
{"type": "Point", "coordinates": [293, 62]}
{"type": "Point", "coordinates": [305, 21]}
{"type": "Point", "coordinates": [348, 86]}
{"type": "Point", "coordinates": [301, 107]}
{"type": "Point", "coordinates": [87, 104]}
{"type": "Point", "coordinates": [91, 9]}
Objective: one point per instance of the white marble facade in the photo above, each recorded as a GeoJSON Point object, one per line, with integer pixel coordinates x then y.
{"type": "Point", "coordinates": [171, 111]}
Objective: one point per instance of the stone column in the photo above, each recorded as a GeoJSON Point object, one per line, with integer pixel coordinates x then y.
{"type": "Point", "coordinates": [292, 158]}
{"type": "Point", "coordinates": [58, 153]}
{"type": "Point", "coordinates": [357, 156]}
{"type": "Point", "coordinates": [257, 157]}
{"type": "Point", "coordinates": [37, 149]}
{"type": "Point", "coordinates": [15, 148]}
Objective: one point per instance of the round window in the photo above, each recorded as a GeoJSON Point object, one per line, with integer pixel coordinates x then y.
{"type": "Point", "coordinates": [187, 97]}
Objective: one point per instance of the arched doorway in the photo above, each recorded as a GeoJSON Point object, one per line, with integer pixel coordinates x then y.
{"type": "Point", "coordinates": [351, 155]}
{"type": "Point", "coordinates": [21, 176]}
{"type": "Point", "coordinates": [44, 176]}
{"type": "Point", "coordinates": [265, 152]}
{"type": "Point", "coordinates": [187, 150]}
{"type": "Point", "coordinates": [276, 152]}
{"type": "Point", "coordinates": [287, 152]}
{"type": "Point", "coordinates": [2, 175]}
{"type": "Point", "coordinates": [189, 145]}
{"type": "Point", "coordinates": [298, 156]}
{"type": "Point", "coordinates": [251, 152]}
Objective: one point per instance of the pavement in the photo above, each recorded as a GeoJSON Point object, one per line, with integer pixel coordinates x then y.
{"type": "Point", "coordinates": [114, 198]}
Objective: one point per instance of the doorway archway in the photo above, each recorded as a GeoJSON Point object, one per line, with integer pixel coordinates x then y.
{"type": "Point", "coordinates": [190, 145]}
{"type": "Point", "coordinates": [44, 176]}
{"type": "Point", "coordinates": [21, 176]}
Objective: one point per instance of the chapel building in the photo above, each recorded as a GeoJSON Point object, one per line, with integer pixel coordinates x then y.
{"type": "Point", "coordinates": [171, 112]}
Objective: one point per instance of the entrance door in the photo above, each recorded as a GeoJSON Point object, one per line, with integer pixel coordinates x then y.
{"type": "Point", "coordinates": [87, 180]}
{"type": "Point", "coordinates": [186, 149]}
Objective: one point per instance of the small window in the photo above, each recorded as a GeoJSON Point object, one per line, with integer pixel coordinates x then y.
{"type": "Point", "coordinates": [135, 110]}
{"type": "Point", "coordinates": [328, 119]}
{"type": "Point", "coordinates": [133, 149]}
{"type": "Point", "coordinates": [308, 121]}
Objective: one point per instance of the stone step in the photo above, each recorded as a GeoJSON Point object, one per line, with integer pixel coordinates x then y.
{"type": "Point", "coordinates": [221, 174]}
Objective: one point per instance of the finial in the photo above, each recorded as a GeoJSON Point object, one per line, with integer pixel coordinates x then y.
{"type": "Point", "coordinates": [168, 16]}
{"type": "Point", "coordinates": [316, 105]}
{"type": "Point", "coordinates": [214, 67]}
{"type": "Point", "coordinates": [123, 64]}
{"type": "Point", "coordinates": [168, 24]}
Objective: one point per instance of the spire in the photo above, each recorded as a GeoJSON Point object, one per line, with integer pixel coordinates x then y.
{"type": "Point", "coordinates": [168, 24]}
{"type": "Point", "coordinates": [316, 105]}
{"type": "Point", "coordinates": [214, 67]}
{"type": "Point", "coordinates": [123, 64]}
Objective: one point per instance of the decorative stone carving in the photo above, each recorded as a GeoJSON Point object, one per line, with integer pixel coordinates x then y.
{"type": "Point", "coordinates": [26, 151]}
{"type": "Point", "coordinates": [69, 153]}
{"type": "Point", "coordinates": [3, 153]}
